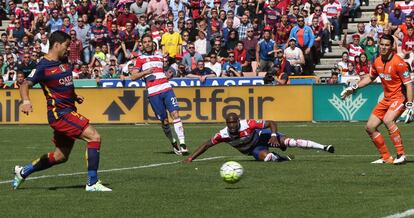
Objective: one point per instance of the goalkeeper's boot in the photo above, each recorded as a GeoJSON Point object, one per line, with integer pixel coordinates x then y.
{"type": "Point", "coordinates": [183, 149]}
{"type": "Point", "coordinates": [97, 187]}
{"type": "Point", "coordinates": [401, 159]}
{"type": "Point", "coordinates": [329, 148]}
{"type": "Point", "coordinates": [390, 160]}
{"type": "Point", "coordinates": [18, 178]}
{"type": "Point", "coordinates": [176, 148]}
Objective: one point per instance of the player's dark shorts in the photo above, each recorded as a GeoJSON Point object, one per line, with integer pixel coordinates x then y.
{"type": "Point", "coordinates": [69, 127]}
{"type": "Point", "coordinates": [263, 143]}
{"type": "Point", "coordinates": [162, 102]}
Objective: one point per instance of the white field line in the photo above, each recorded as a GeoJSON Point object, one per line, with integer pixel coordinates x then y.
{"type": "Point", "coordinates": [406, 213]}
{"type": "Point", "coordinates": [111, 170]}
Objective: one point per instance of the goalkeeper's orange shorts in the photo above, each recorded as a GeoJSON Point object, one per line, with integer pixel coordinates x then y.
{"type": "Point", "coordinates": [384, 106]}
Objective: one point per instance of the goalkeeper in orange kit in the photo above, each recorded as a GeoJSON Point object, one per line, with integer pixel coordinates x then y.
{"type": "Point", "coordinates": [398, 99]}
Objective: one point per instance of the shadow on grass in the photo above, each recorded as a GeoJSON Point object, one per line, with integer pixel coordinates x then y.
{"type": "Point", "coordinates": [55, 188]}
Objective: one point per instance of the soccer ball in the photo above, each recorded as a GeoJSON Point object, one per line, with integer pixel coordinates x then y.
{"type": "Point", "coordinates": [231, 172]}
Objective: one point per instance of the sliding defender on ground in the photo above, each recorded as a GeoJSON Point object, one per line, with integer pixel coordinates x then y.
{"type": "Point", "coordinates": [56, 81]}
{"type": "Point", "coordinates": [398, 96]}
{"type": "Point", "coordinates": [253, 137]}
{"type": "Point", "coordinates": [149, 66]}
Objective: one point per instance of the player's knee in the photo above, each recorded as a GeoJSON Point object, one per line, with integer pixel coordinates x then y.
{"type": "Point", "coordinates": [165, 122]}
{"type": "Point", "coordinates": [388, 122]}
{"type": "Point", "coordinates": [370, 129]}
{"type": "Point", "coordinates": [60, 157]}
{"type": "Point", "coordinates": [96, 137]}
{"type": "Point", "coordinates": [175, 115]}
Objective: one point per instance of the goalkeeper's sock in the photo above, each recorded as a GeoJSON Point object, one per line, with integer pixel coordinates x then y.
{"type": "Point", "coordinates": [44, 162]}
{"type": "Point", "coordinates": [179, 130]}
{"type": "Point", "coordinates": [305, 144]}
{"type": "Point", "coordinates": [93, 161]}
{"type": "Point", "coordinates": [395, 136]}
{"type": "Point", "coordinates": [379, 141]}
{"type": "Point", "coordinates": [168, 132]}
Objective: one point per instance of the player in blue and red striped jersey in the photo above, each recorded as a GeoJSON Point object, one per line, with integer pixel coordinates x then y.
{"type": "Point", "coordinates": [56, 81]}
{"type": "Point", "coordinates": [253, 137]}
{"type": "Point", "coordinates": [149, 66]}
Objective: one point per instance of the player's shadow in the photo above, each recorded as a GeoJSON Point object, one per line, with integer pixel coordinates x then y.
{"type": "Point", "coordinates": [233, 187]}
{"type": "Point", "coordinates": [168, 153]}
{"type": "Point", "coordinates": [55, 188]}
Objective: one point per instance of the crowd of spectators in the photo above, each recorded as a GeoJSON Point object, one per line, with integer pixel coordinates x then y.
{"type": "Point", "coordinates": [199, 38]}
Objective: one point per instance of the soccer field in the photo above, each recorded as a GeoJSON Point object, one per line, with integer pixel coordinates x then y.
{"type": "Point", "coordinates": [149, 181]}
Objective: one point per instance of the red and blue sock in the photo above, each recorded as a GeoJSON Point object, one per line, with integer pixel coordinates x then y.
{"type": "Point", "coordinates": [93, 161]}
{"type": "Point", "coordinates": [44, 162]}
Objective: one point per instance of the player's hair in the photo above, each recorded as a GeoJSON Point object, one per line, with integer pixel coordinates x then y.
{"type": "Point", "coordinates": [58, 37]}
{"type": "Point", "coordinates": [388, 37]}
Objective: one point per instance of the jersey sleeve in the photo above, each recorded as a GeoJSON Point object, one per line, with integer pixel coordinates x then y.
{"type": "Point", "coordinates": [256, 124]}
{"type": "Point", "coordinates": [36, 75]}
{"type": "Point", "coordinates": [138, 63]}
{"type": "Point", "coordinates": [403, 73]}
{"type": "Point", "coordinates": [217, 138]}
{"type": "Point", "coordinates": [373, 72]}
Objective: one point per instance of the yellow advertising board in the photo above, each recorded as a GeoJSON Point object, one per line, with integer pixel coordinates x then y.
{"type": "Point", "coordinates": [198, 104]}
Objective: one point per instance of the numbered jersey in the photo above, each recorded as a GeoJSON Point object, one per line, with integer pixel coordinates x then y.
{"type": "Point", "coordinates": [247, 138]}
{"type": "Point", "coordinates": [156, 82]}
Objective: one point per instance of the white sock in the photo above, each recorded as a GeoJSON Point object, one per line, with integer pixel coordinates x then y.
{"type": "Point", "coordinates": [305, 144]}
{"type": "Point", "coordinates": [168, 132]}
{"type": "Point", "coordinates": [270, 157]}
{"type": "Point", "coordinates": [179, 130]}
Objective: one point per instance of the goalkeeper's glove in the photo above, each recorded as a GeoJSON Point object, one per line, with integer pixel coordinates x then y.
{"type": "Point", "coordinates": [349, 90]}
{"type": "Point", "coordinates": [409, 112]}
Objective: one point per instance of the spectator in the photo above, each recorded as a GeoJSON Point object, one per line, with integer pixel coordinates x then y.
{"type": "Point", "coordinates": [213, 64]}
{"type": "Point", "coordinates": [191, 59]}
{"type": "Point", "coordinates": [84, 74]}
{"type": "Point", "coordinates": [402, 29]}
{"type": "Point", "coordinates": [55, 22]}
{"type": "Point", "coordinates": [157, 8]}
{"type": "Point", "coordinates": [295, 57]}
{"type": "Point", "coordinates": [333, 79]}
{"type": "Point", "coordinates": [293, 15]}
{"type": "Point", "coordinates": [381, 15]}
{"type": "Point", "coordinates": [396, 18]}
{"type": "Point", "coordinates": [2, 84]}
{"type": "Point", "coordinates": [126, 17]}
{"type": "Point", "coordinates": [354, 49]}
{"type": "Point", "coordinates": [18, 32]}
{"type": "Point", "coordinates": [407, 7]}
{"type": "Point", "coordinates": [139, 7]}
{"type": "Point", "coordinates": [83, 34]}
{"type": "Point", "coordinates": [232, 40]}
{"type": "Point", "coordinates": [3, 42]}
{"type": "Point", "coordinates": [407, 43]}
{"type": "Point", "coordinates": [171, 43]}
{"type": "Point", "coordinates": [201, 72]}
{"type": "Point", "coordinates": [232, 68]}
{"type": "Point", "coordinates": [240, 55]}
{"type": "Point", "coordinates": [44, 44]}
{"type": "Point", "coordinates": [281, 32]}
{"type": "Point", "coordinates": [66, 25]}
{"type": "Point", "coordinates": [222, 54]}
{"type": "Point", "coordinates": [111, 74]}
{"type": "Point", "coordinates": [26, 66]}
{"type": "Point", "coordinates": [27, 17]}
{"type": "Point", "coordinates": [75, 48]}
{"type": "Point", "coordinates": [280, 76]}
{"type": "Point", "coordinates": [343, 64]}
{"type": "Point", "coordinates": [3, 66]}
{"type": "Point", "coordinates": [321, 40]}
{"type": "Point", "coordinates": [142, 26]}
{"type": "Point", "coordinates": [202, 45]}
{"type": "Point", "coordinates": [333, 13]}
{"type": "Point", "coordinates": [19, 80]}
{"type": "Point", "coordinates": [305, 39]}
{"type": "Point", "coordinates": [362, 68]}
{"type": "Point", "coordinates": [236, 20]}
{"type": "Point", "coordinates": [250, 43]}
{"type": "Point", "coordinates": [35, 57]}
{"type": "Point", "coordinates": [99, 34]}
{"type": "Point", "coordinates": [191, 30]}
{"type": "Point", "coordinates": [371, 49]}
{"type": "Point", "coordinates": [282, 62]}
{"type": "Point", "coordinates": [73, 14]}
{"type": "Point", "coordinates": [244, 25]}
{"type": "Point", "coordinates": [271, 14]}
{"type": "Point", "coordinates": [129, 41]}
{"type": "Point", "coordinates": [388, 5]}
{"type": "Point", "coordinates": [351, 69]}
{"type": "Point", "coordinates": [215, 24]}
{"type": "Point", "coordinates": [264, 51]}
{"type": "Point", "coordinates": [373, 29]}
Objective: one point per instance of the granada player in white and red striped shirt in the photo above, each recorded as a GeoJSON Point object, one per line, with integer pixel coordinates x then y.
{"type": "Point", "coordinates": [149, 67]}
{"type": "Point", "coordinates": [254, 137]}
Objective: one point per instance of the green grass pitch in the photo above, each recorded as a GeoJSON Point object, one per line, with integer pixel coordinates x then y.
{"type": "Point", "coordinates": [315, 184]}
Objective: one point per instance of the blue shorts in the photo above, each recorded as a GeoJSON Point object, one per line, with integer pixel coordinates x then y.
{"type": "Point", "coordinates": [162, 102]}
{"type": "Point", "coordinates": [262, 144]}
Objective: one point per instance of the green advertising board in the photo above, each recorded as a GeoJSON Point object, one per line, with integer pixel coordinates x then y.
{"type": "Point", "coordinates": [328, 105]}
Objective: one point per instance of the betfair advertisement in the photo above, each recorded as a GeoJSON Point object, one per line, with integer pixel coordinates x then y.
{"type": "Point", "coordinates": [198, 104]}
